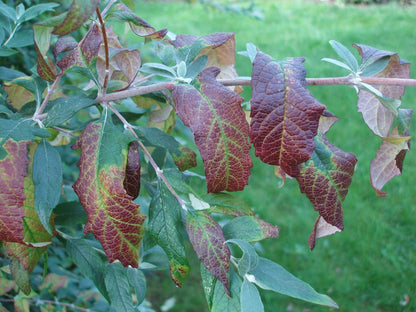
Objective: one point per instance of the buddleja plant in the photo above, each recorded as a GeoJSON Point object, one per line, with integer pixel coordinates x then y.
{"type": "Point", "coordinates": [134, 204]}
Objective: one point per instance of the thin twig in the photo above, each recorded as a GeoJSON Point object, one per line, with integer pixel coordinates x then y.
{"type": "Point", "coordinates": [47, 97]}
{"type": "Point", "coordinates": [106, 51]}
{"type": "Point", "coordinates": [159, 172]}
{"type": "Point", "coordinates": [135, 91]}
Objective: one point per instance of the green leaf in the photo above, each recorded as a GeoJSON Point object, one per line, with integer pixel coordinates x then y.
{"type": "Point", "coordinates": [336, 62]}
{"type": "Point", "coordinates": [69, 214]}
{"type": "Point", "coordinates": [221, 137]}
{"type": "Point", "coordinates": [9, 74]}
{"type": "Point", "coordinates": [113, 217]}
{"type": "Point", "coordinates": [248, 260]}
{"type": "Point", "coordinates": [164, 223]}
{"type": "Point", "coordinates": [5, 51]}
{"type": "Point", "coordinates": [118, 287]}
{"type": "Point", "coordinates": [208, 241]}
{"type": "Point", "coordinates": [21, 39]}
{"type": "Point", "coordinates": [227, 204]}
{"type": "Point", "coordinates": [158, 69]}
{"type": "Point", "coordinates": [64, 108]}
{"type": "Point", "coordinates": [18, 130]}
{"type": "Point", "coordinates": [20, 275]}
{"type": "Point", "coordinates": [36, 10]}
{"type": "Point", "coordinates": [224, 302]}
{"type": "Point", "coordinates": [249, 228]}
{"type": "Point", "coordinates": [47, 178]}
{"type": "Point", "coordinates": [89, 261]}
{"type": "Point", "coordinates": [345, 55]}
{"type": "Point", "coordinates": [196, 67]}
{"type": "Point", "coordinates": [271, 276]}
{"type": "Point", "coordinates": [7, 11]}
{"type": "Point", "coordinates": [79, 12]}
{"type": "Point", "coordinates": [373, 69]}
{"type": "Point", "coordinates": [250, 298]}
{"type": "Point", "coordinates": [137, 280]}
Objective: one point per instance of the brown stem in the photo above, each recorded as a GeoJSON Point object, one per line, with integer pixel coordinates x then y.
{"type": "Point", "coordinates": [135, 91]}
{"type": "Point", "coordinates": [106, 50]}
{"type": "Point", "coordinates": [47, 97]}
{"type": "Point", "coordinates": [159, 172]}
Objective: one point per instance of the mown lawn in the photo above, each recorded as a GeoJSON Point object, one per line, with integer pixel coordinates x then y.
{"type": "Point", "coordinates": [371, 265]}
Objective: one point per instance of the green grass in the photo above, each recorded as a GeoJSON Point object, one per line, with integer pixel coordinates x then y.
{"type": "Point", "coordinates": [371, 265]}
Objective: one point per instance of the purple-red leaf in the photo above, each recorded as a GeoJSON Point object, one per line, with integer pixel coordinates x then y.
{"type": "Point", "coordinates": [80, 52]}
{"type": "Point", "coordinates": [378, 117]}
{"type": "Point", "coordinates": [215, 117]}
{"type": "Point", "coordinates": [325, 179]}
{"type": "Point", "coordinates": [36, 238]}
{"type": "Point", "coordinates": [113, 217]}
{"type": "Point", "coordinates": [79, 12]}
{"type": "Point", "coordinates": [12, 196]}
{"type": "Point", "coordinates": [132, 179]}
{"type": "Point", "coordinates": [207, 238]}
{"type": "Point", "coordinates": [284, 114]}
{"type": "Point", "coordinates": [388, 161]}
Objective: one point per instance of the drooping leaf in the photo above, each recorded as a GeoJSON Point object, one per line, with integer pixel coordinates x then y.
{"type": "Point", "coordinates": [218, 300]}
{"type": "Point", "coordinates": [89, 262]}
{"type": "Point", "coordinates": [132, 179]}
{"type": "Point", "coordinates": [219, 47]}
{"type": "Point", "coordinates": [35, 237]}
{"type": "Point", "coordinates": [208, 241]}
{"type": "Point", "coordinates": [215, 117]}
{"type": "Point", "coordinates": [137, 280]}
{"type": "Point", "coordinates": [377, 115]}
{"type": "Point", "coordinates": [389, 159]}
{"type": "Point", "coordinates": [325, 179]}
{"type": "Point", "coordinates": [47, 179]}
{"type": "Point", "coordinates": [164, 222]}
{"type": "Point", "coordinates": [249, 228]}
{"type": "Point", "coordinates": [139, 26]}
{"type": "Point", "coordinates": [321, 228]}
{"type": "Point", "coordinates": [118, 287]}
{"type": "Point", "coordinates": [271, 276]}
{"type": "Point", "coordinates": [20, 275]}
{"type": "Point", "coordinates": [284, 114]}
{"type": "Point", "coordinates": [12, 196]}
{"type": "Point", "coordinates": [113, 217]}
{"type": "Point", "coordinates": [79, 12]}
{"type": "Point", "coordinates": [250, 298]}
